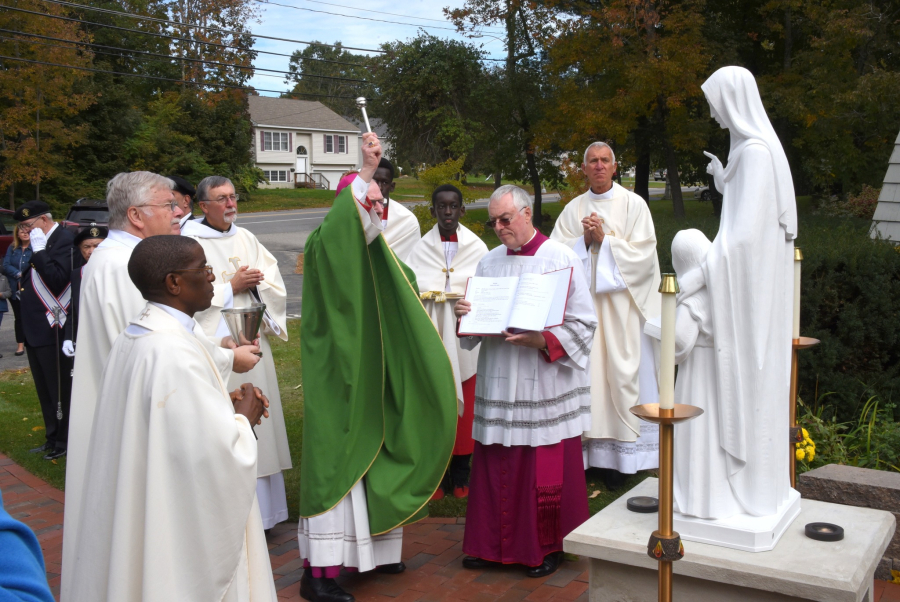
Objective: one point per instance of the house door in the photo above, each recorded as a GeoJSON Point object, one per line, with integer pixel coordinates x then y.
{"type": "Point", "coordinates": [302, 159]}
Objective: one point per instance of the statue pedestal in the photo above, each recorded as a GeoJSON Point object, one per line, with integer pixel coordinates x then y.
{"type": "Point", "coordinates": [797, 569]}
{"type": "Point", "coordinates": [741, 532]}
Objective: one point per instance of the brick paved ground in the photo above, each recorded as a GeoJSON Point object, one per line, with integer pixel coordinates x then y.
{"type": "Point", "coordinates": [432, 550]}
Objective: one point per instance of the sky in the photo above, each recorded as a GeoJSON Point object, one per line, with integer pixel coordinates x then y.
{"type": "Point", "coordinates": [354, 30]}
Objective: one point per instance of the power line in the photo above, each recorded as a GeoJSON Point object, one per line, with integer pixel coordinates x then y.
{"type": "Point", "coordinates": [168, 37]}
{"type": "Point", "coordinates": [164, 56]}
{"type": "Point", "coordinates": [215, 29]}
{"type": "Point", "coordinates": [379, 12]}
{"type": "Point", "coordinates": [325, 12]}
{"type": "Point", "coordinates": [169, 79]}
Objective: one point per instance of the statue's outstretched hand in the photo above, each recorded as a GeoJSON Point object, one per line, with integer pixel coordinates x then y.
{"type": "Point", "coordinates": [717, 171]}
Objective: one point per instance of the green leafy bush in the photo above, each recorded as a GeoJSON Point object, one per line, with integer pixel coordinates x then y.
{"type": "Point", "coordinates": [851, 302]}
{"type": "Point", "coordinates": [870, 440]}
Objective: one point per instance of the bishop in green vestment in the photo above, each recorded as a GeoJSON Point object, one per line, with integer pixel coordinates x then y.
{"type": "Point", "coordinates": [379, 395]}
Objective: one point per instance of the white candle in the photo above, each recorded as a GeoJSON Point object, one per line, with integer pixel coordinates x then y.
{"type": "Point", "coordinates": [798, 259]}
{"type": "Point", "coordinates": [668, 288]}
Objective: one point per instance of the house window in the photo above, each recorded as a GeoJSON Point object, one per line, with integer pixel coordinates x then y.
{"type": "Point", "coordinates": [275, 175]}
{"type": "Point", "coordinates": [276, 141]}
{"type": "Point", "coordinates": [336, 144]}
{"type": "Point", "coordinates": [301, 151]}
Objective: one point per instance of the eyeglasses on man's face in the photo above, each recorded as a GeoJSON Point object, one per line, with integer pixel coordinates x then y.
{"type": "Point", "coordinates": [503, 221]}
{"type": "Point", "coordinates": [29, 225]}
{"type": "Point", "coordinates": [172, 205]}
{"type": "Point", "coordinates": [225, 198]}
{"type": "Point", "coordinates": [207, 268]}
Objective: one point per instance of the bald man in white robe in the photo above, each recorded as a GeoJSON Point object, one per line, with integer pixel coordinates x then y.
{"type": "Point", "coordinates": [611, 231]}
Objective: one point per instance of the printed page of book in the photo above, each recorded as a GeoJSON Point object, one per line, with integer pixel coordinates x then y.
{"type": "Point", "coordinates": [534, 296]}
{"type": "Point", "coordinates": [562, 279]}
{"type": "Point", "coordinates": [492, 302]}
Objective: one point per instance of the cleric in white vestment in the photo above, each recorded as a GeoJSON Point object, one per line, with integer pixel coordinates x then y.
{"type": "Point", "coordinates": [611, 231]}
{"type": "Point", "coordinates": [532, 402]}
{"type": "Point", "coordinates": [141, 204]}
{"type": "Point", "coordinates": [246, 272]}
{"type": "Point", "coordinates": [170, 508]}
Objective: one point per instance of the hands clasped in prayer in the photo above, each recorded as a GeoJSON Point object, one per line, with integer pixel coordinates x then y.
{"type": "Point", "coordinates": [245, 279]}
{"type": "Point", "coordinates": [250, 402]}
{"type": "Point", "coordinates": [593, 230]}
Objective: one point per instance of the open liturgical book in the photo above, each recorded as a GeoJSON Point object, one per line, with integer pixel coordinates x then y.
{"type": "Point", "coordinates": [516, 304]}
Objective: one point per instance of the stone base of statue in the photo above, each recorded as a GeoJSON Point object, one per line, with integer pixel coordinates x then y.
{"type": "Point", "coordinates": [741, 532]}
{"type": "Point", "coordinates": [797, 569]}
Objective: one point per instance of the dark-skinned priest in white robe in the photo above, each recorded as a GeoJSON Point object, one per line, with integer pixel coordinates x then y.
{"type": "Point", "coordinates": [532, 403]}
{"type": "Point", "coordinates": [141, 204]}
{"type": "Point", "coordinates": [170, 508]}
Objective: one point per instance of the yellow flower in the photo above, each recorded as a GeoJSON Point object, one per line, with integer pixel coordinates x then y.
{"type": "Point", "coordinates": [805, 433]}
{"type": "Point", "coordinates": [810, 454]}
{"type": "Point", "coordinates": [801, 454]}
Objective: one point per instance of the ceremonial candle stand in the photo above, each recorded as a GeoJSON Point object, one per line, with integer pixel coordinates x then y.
{"type": "Point", "coordinates": [796, 434]}
{"type": "Point", "coordinates": [665, 544]}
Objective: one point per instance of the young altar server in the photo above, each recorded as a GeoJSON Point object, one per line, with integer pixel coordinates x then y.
{"type": "Point", "coordinates": [246, 273]}
{"type": "Point", "coordinates": [379, 412]}
{"type": "Point", "coordinates": [170, 508]}
{"type": "Point", "coordinates": [611, 231]}
{"type": "Point", "coordinates": [532, 402]}
{"type": "Point", "coordinates": [401, 227]}
{"type": "Point", "coordinates": [141, 205]}
{"type": "Point", "coordinates": [443, 261]}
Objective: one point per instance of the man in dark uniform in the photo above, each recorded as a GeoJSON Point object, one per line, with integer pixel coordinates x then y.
{"type": "Point", "coordinates": [45, 297]}
{"type": "Point", "coordinates": [85, 243]}
{"type": "Point", "coordinates": [184, 195]}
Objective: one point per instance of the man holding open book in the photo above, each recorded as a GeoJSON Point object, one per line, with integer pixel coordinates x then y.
{"type": "Point", "coordinates": [530, 307]}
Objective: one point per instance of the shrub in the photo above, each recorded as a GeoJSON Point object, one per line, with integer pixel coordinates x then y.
{"type": "Point", "coordinates": [870, 440]}
{"type": "Point", "coordinates": [860, 205]}
{"type": "Point", "coordinates": [851, 302]}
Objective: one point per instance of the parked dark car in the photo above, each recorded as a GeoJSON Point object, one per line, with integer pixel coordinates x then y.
{"type": "Point", "coordinates": [7, 223]}
{"type": "Point", "coordinates": [86, 213]}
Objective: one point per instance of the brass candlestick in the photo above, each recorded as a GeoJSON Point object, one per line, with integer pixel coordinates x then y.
{"type": "Point", "coordinates": [794, 433]}
{"type": "Point", "coordinates": [665, 544]}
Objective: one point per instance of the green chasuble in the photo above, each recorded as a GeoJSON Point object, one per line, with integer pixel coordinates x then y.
{"type": "Point", "coordinates": [379, 395]}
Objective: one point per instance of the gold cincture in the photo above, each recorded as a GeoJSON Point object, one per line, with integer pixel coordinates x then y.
{"type": "Point", "coordinates": [438, 296]}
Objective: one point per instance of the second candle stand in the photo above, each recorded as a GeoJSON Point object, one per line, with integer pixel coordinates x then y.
{"type": "Point", "coordinates": [665, 544]}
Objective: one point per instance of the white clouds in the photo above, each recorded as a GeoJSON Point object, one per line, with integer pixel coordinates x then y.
{"type": "Point", "coordinates": [308, 26]}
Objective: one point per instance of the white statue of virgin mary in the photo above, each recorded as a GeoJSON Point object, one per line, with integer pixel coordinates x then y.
{"type": "Point", "coordinates": [749, 278]}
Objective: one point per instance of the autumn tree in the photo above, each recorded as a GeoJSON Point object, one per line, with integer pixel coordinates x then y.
{"type": "Point", "coordinates": [629, 72]}
{"type": "Point", "coordinates": [37, 101]}
{"type": "Point", "coordinates": [514, 100]}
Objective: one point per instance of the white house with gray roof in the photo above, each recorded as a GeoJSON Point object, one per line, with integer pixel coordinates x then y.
{"type": "Point", "coordinates": [303, 142]}
{"type": "Point", "coordinates": [887, 213]}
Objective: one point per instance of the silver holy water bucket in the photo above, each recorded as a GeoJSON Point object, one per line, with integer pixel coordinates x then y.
{"type": "Point", "coordinates": [244, 322]}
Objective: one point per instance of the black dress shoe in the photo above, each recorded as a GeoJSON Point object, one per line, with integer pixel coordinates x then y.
{"type": "Point", "coordinates": [19, 353]}
{"type": "Point", "coordinates": [550, 564]}
{"type": "Point", "coordinates": [56, 453]}
{"type": "Point", "coordinates": [473, 562]}
{"type": "Point", "coordinates": [322, 589]}
{"type": "Point", "coordinates": [391, 569]}
{"type": "Point", "coordinates": [47, 447]}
